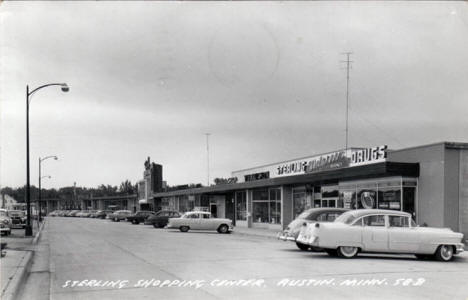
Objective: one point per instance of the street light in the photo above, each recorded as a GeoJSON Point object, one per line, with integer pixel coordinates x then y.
{"type": "Point", "coordinates": [40, 177]}
{"type": "Point", "coordinates": [28, 230]}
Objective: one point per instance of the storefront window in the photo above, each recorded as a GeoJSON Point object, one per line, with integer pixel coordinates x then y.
{"type": "Point", "coordinates": [275, 206]}
{"type": "Point", "coordinates": [330, 196]}
{"type": "Point", "coordinates": [267, 206]}
{"type": "Point", "coordinates": [185, 204]}
{"type": "Point", "coordinates": [348, 198]}
{"type": "Point", "coordinates": [390, 198]}
{"type": "Point", "coordinates": [299, 200]}
{"type": "Point", "coordinates": [241, 206]}
{"type": "Point", "coordinates": [380, 193]}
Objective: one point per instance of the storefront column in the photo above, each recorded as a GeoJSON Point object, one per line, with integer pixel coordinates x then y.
{"type": "Point", "coordinates": [286, 206]}
{"type": "Point", "coordinates": [248, 194]}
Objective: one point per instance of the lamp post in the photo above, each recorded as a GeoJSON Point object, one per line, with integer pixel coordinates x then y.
{"type": "Point", "coordinates": [40, 178]}
{"type": "Point", "coordinates": [28, 230]}
{"type": "Point", "coordinates": [39, 217]}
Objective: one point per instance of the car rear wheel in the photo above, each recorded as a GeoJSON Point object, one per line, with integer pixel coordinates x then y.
{"type": "Point", "coordinates": [223, 228]}
{"type": "Point", "coordinates": [347, 251]}
{"type": "Point", "coordinates": [137, 222]}
{"type": "Point", "coordinates": [444, 253]}
{"type": "Point", "coordinates": [184, 228]}
{"type": "Point", "coordinates": [303, 247]}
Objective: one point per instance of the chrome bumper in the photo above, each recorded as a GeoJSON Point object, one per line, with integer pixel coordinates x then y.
{"type": "Point", "coordinates": [459, 248]}
{"type": "Point", "coordinates": [285, 236]}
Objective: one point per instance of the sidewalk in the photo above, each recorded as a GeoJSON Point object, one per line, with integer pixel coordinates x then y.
{"type": "Point", "coordinates": [15, 264]}
{"type": "Point", "coordinates": [259, 232]}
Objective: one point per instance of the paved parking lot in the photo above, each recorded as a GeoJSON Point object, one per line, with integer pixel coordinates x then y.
{"type": "Point", "coordinates": [99, 259]}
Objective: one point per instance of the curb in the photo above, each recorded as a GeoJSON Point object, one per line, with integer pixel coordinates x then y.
{"type": "Point", "coordinates": [13, 287]}
{"type": "Point", "coordinates": [38, 234]}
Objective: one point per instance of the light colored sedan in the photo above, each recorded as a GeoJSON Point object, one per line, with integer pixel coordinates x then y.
{"type": "Point", "coordinates": [200, 220]}
{"type": "Point", "coordinates": [312, 215]}
{"type": "Point", "coordinates": [381, 231]}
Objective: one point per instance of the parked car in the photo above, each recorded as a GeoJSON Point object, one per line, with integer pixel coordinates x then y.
{"type": "Point", "coordinates": [161, 218]}
{"type": "Point", "coordinates": [5, 222]}
{"type": "Point", "coordinates": [102, 214]}
{"type": "Point", "coordinates": [312, 215]}
{"type": "Point", "coordinates": [120, 215]}
{"type": "Point", "coordinates": [200, 220]}
{"type": "Point", "coordinates": [18, 218]}
{"type": "Point", "coordinates": [381, 231]}
{"type": "Point", "coordinates": [72, 213]}
{"type": "Point", "coordinates": [139, 216]}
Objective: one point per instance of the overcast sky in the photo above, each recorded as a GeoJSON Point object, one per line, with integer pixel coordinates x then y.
{"type": "Point", "coordinates": [264, 78]}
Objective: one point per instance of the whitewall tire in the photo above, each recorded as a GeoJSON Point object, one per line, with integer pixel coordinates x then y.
{"type": "Point", "coordinates": [347, 251]}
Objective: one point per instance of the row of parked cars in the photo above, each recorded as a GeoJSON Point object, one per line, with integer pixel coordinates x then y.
{"type": "Point", "coordinates": [345, 233]}
{"type": "Point", "coordinates": [193, 220]}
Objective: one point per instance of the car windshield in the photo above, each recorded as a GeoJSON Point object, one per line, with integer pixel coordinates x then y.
{"type": "Point", "coordinates": [346, 218]}
{"type": "Point", "coordinates": [304, 215]}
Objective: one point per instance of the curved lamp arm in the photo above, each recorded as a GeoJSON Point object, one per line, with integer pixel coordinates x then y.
{"type": "Point", "coordinates": [50, 156]}
{"type": "Point", "coordinates": [65, 88]}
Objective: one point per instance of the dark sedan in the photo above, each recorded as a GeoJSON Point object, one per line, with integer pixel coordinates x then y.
{"type": "Point", "coordinates": [161, 218]}
{"type": "Point", "coordinates": [139, 216]}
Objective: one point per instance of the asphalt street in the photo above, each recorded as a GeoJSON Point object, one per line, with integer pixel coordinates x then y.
{"type": "Point", "coordinates": [81, 258]}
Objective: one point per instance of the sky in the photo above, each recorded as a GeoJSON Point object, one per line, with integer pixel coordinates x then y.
{"type": "Point", "coordinates": [266, 79]}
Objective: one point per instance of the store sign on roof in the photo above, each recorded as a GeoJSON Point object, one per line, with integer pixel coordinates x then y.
{"type": "Point", "coordinates": [333, 160]}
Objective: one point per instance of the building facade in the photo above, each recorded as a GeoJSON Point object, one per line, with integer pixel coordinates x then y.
{"type": "Point", "coordinates": [430, 182]}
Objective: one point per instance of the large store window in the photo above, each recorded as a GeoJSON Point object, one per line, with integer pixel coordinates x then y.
{"type": "Point", "coordinates": [395, 193]}
{"type": "Point", "coordinates": [267, 205]}
{"type": "Point", "coordinates": [366, 195]}
{"type": "Point", "coordinates": [185, 204]}
{"type": "Point", "coordinates": [275, 206]}
{"type": "Point", "coordinates": [330, 196]}
{"type": "Point", "coordinates": [300, 200]}
{"type": "Point", "coordinates": [241, 206]}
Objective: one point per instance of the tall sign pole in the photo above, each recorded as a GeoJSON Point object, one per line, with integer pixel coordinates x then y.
{"type": "Point", "coordinates": [348, 65]}
{"type": "Point", "coordinates": [207, 159]}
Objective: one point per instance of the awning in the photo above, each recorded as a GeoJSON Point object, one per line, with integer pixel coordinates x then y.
{"type": "Point", "coordinates": [143, 201]}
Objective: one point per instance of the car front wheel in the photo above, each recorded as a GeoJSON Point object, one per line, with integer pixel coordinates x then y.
{"type": "Point", "coordinates": [347, 251]}
{"type": "Point", "coordinates": [303, 247]}
{"type": "Point", "coordinates": [444, 253]}
{"type": "Point", "coordinates": [184, 228]}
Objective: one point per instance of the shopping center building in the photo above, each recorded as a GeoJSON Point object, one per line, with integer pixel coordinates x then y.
{"type": "Point", "coordinates": [430, 182]}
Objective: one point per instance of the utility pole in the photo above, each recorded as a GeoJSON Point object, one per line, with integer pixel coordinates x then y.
{"type": "Point", "coordinates": [207, 159]}
{"type": "Point", "coordinates": [348, 66]}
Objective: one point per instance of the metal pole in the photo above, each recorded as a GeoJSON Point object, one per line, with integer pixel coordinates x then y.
{"type": "Point", "coordinates": [40, 192]}
{"type": "Point", "coordinates": [28, 229]}
{"type": "Point", "coordinates": [207, 159]}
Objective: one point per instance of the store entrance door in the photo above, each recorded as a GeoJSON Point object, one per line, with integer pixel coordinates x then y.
{"type": "Point", "coordinates": [214, 210]}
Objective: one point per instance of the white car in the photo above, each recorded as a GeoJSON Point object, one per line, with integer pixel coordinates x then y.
{"type": "Point", "coordinates": [381, 231]}
{"type": "Point", "coordinates": [200, 220]}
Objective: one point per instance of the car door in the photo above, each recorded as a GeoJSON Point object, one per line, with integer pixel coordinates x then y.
{"type": "Point", "coordinates": [402, 237]}
{"type": "Point", "coordinates": [375, 233]}
{"type": "Point", "coordinates": [194, 221]}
